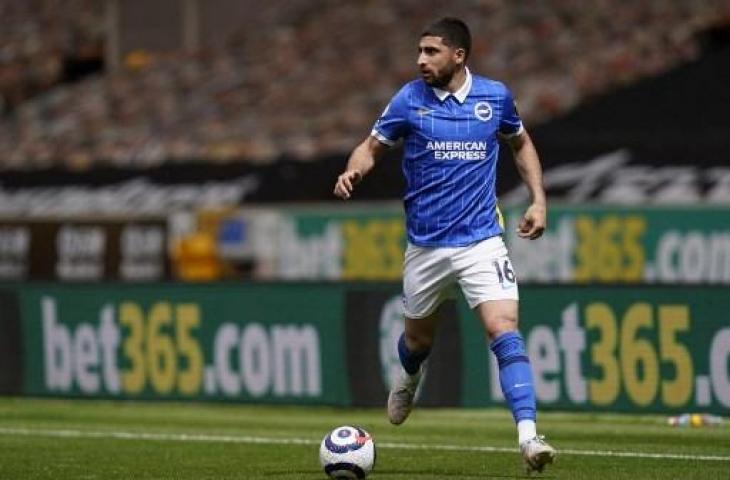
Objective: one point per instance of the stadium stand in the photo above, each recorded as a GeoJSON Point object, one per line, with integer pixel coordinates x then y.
{"type": "Point", "coordinates": [42, 42]}
{"type": "Point", "coordinates": [293, 88]}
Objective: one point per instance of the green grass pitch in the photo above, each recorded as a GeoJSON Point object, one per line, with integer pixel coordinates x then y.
{"type": "Point", "coordinates": [83, 439]}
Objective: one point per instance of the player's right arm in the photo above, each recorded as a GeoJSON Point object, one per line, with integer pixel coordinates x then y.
{"type": "Point", "coordinates": [391, 126]}
{"type": "Point", "coordinates": [361, 161]}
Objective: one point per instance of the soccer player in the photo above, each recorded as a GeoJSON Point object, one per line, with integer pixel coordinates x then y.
{"type": "Point", "coordinates": [450, 120]}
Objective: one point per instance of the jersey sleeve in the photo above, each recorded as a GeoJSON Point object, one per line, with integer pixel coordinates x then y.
{"type": "Point", "coordinates": [510, 124]}
{"type": "Point", "coordinates": [393, 122]}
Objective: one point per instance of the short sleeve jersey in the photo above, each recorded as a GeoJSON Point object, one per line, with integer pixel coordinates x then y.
{"type": "Point", "coordinates": [450, 151]}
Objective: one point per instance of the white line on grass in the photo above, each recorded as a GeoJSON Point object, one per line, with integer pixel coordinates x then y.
{"type": "Point", "coordinates": [185, 437]}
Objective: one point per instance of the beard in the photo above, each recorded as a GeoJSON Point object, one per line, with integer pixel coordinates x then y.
{"type": "Point", "coordinates": [442, 80]}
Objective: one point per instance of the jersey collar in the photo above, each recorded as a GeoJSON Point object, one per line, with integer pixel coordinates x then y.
{"type": "Point", "coordinates": [460, 94]}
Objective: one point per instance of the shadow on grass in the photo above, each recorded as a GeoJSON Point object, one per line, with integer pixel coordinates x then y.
{"type": "Point", "coordinates": [405, 473]}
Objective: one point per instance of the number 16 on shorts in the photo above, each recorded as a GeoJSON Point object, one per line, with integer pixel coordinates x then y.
{"type": "Point", "coordinates": [505, 272]}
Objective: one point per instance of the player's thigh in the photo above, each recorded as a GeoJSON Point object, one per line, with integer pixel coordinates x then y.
{"type": "Point", "coordinates": [498, 316]}
{"type": "Point", "coordinates": [484, 272]}
{"type": "Point", "coordinates": [427, 281]}
{"type": "Point", "coordinates": [489, 284]}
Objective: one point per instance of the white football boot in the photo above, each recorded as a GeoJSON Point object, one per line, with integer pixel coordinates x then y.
{"type": "Point", "coordinates": [537, 453]}
{"type": "Point", "coordinates": [400, 400]}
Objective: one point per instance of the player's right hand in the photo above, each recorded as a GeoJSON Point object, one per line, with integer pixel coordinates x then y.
{"type": "Point", "coordinates": [346, 183]}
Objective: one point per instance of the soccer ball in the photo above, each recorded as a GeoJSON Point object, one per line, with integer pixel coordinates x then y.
{"type": "Point", "coordinates": [347, 452]}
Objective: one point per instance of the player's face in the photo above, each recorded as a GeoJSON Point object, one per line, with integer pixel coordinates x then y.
{"type": "Point", "coordinates": [438, 62]}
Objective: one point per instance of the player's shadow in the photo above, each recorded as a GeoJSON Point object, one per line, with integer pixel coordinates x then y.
{"type": "Point", "coordinates": [292, 473]}
{"type": "Point", "coordinates": [408, 474]}
{"type": "Point", "coordinates": [399, 474]}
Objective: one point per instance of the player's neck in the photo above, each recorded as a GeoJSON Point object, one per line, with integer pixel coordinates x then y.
{"type": "Point", "coordinates": [457, 81]}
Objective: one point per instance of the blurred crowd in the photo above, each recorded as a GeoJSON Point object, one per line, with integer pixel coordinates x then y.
{"type": "Point", "coordinates": [38, 38]}
{"type": "Point", "coordinates": [303, 79]}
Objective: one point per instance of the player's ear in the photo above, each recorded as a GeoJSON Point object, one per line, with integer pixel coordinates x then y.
{"type": "Point", "coordinates": [460, 56]}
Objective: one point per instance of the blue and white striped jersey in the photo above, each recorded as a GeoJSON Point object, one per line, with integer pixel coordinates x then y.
{"type": "Point", "coordinates": [450, 157]}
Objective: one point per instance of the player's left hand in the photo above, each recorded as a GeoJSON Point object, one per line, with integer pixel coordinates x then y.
{"type": "Point", "coordinates": [533, 222]}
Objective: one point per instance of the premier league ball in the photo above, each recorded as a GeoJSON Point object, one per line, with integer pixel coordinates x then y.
{"type": "Point", "coordinates": [347, 452]}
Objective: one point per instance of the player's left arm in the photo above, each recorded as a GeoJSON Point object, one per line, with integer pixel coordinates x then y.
{"type": "Point", "coordinates": [534, 221]}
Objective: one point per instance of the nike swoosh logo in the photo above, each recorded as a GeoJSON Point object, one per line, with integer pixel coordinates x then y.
{"type": "Point", "coordinates": [518, 385]}
{"type": "Point", "coordinates": [423, 111]}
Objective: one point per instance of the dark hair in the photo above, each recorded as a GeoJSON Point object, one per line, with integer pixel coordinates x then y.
{"type": "Point", "coordinates": [453, 32]}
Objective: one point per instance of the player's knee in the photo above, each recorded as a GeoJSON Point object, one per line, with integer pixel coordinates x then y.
{"type": "Point", "coordinates": [499, 324]}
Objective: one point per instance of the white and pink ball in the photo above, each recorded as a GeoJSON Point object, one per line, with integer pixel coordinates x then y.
{"type": "Point", "coordinates": [347, 452]}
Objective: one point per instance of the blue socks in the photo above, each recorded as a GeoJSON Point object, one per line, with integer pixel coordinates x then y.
{"type": "Point", "coordinates": [411, 361]}
{"type": "Point", "coordinates": [515, 375]}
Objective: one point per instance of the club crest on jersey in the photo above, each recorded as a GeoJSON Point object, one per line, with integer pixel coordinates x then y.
{"type": "Point", "coordinates": [483, 111]}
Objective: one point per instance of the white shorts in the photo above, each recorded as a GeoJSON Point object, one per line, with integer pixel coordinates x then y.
{"type": "Point", "coordinates": [483, 271]}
